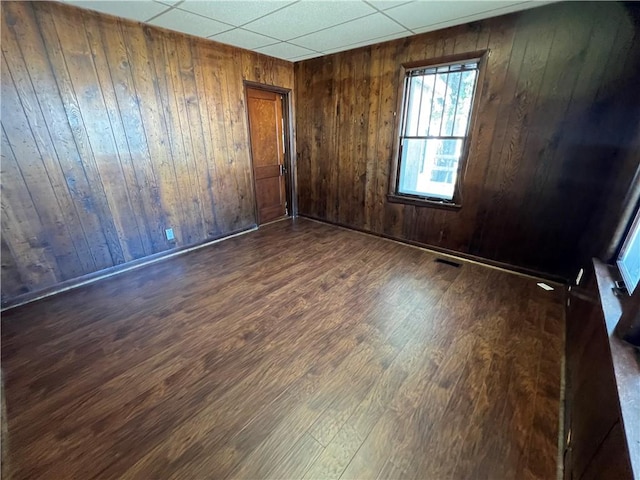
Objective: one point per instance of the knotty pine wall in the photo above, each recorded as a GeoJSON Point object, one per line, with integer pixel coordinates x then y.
{"type": "Point", "coordinates": [111, 132]}
{"type": "Point", "coordinates": [558, 110]}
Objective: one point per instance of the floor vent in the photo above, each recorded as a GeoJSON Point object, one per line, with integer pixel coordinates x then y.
{"type": "Point", "coordinates": [447, 262]}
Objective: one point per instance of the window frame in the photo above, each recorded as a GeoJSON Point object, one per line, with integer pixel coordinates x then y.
{"type": "Point", "coordinates": [632, 225]}
{"type": "Point", "coordinates": [394, 195]}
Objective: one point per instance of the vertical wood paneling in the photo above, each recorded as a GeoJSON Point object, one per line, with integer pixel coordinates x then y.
{"type": "Point", "coordinates": [41, 133]}
{"type": "Point", "coordinates": [558, 99]}
{"type": "Point", "coordinates": [56, 59]}
{"type": "Point", "coordinates": [23, 225]}
{"type": "Point", "coordinates": [107, 88]}
{"type": "Point", "coordinates": [82, 194]}
{"type": "Point", "coordinates": [147, 192]}
{"type": "Point", "coordinates": [562, 73]}
{"type": "Point", "coordinates": [511, 170]}
{"type": "Point", "coordinates": [112, 132]}
{"type": "Point", "coordinates": [86, 88]}
{"type": "Point", "coordinates": [30, 165]}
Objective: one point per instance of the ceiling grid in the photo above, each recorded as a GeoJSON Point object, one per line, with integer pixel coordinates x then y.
{"type": "Point", "coordinates": [302, 29]}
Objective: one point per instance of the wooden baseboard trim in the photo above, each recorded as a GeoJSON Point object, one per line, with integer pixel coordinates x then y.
{"type": "Point", "coordinates": [559, 281]}
{"type": "Point", "coordinates": [281, 219]}
{"type": "Point", "coordinates": [116, 270]}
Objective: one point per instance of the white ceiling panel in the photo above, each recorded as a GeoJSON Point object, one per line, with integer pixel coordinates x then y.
{"type": "Point", "coordinates": [421, 14]}
{"type": "Point", "coordinates": [503, 9]}
{"type": "Point", "coordinates": [371, 41]}
{"type": "Point", "coordinates": [308, 16]}
{"type": "Point", "coordinates": [285, 50]}
{"type": "Point", "coordinates": [355, 31]}
{"type": "Point", "coordinates": [186, 22]}
{"type": "Point", "coordinates": [305, 57]}
{"type": "Point", "coordinates": [301, 29]}
{"type": "Point", "coordinates": [134, 10]}
{"type": "Point", "coordinates": [244, 39]}
{"type": "Point", "coordinates": [385, 4]}
{"type": "Point", "coordinates": [233, 12]}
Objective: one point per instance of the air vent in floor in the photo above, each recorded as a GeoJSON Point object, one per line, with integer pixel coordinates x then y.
{"type": "Point", "coordinates": [447, 262]}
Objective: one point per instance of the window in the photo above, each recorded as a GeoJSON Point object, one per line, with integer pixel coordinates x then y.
{"type": "Point", "coordinates": [629, 257]}
{"type": "Point", "coordinates": [434, 130]}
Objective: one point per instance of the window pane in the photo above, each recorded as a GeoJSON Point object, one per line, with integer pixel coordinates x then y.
{"type": "Point", "coordinates": [425, 105]}
{"type": "Point", "coordinates": [437, 105]}
{"type": "Point", "coordinates": [413, 106]}
{"type": "Point", "coordinates": [451, 101]}
{"type": "Point", "coordinates": [465, 97]}
{"type": "Point", "coordinates": [629, 259]}
{"type": "Point", "coordinates": [429, 167]}
{"type": "Point", "coordinates": [419, 105]}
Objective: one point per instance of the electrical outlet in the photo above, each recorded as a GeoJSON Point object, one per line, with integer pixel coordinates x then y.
{"type": "Point", "coordinates": [169, 233]}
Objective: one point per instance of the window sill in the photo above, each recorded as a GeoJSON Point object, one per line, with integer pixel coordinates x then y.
{"type": "Point", "coordinates": [421, 202]}
{"type": "Point", "coordinates": [626, 364]}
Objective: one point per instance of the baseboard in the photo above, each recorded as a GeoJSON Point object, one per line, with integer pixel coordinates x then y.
{"type": "Point", "coordinates": [450, 253]}
{"type": "Point", "coordinates": [116, 270]}
{"type": "Point", "coordinates": [157, 257]}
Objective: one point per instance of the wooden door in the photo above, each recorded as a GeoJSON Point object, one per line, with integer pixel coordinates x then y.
{"type": "Point", "coordinates": [267, 149]}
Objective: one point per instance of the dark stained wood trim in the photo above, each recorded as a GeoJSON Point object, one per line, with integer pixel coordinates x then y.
{"type": "Point", "coordinates": [451, 253]}
{"type": "Point", "coordinates": [422, 202]}
{"type": "Point", "coordinates": [252, 174]}
{"type": "Point", "coordinates": [471, 129]}
{"type": "Point", "coordinates": [445, 60]}
{"type": "Point", "coordinates": [94, 277]}
{"type": "Point", "coordinates": [628, 208]}
{"type": "Point", "coordinates": [398, 117]}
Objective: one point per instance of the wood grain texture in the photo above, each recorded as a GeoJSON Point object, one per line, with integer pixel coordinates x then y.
{"type": "Point", "coordinates": [267, 139]}
{"type": "Point", "coordinates": [598, 447]}
{"type": "Point", "coordinates": [5, 467]}
{"type": "Point", "coordinates": [113, 131]}
{"type": "Point", "coordinates": [301, 350]}
{"type": "Point", "coordinates": [556, 134]}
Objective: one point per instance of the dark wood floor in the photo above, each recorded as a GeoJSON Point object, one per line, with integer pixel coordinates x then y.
{"type": "Point", "coordinates": [297, 351]}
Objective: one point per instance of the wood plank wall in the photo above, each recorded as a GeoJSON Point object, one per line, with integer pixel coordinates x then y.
{"type": "Point", "coordinates": [559, 98]}
{"type": "Point", "coordinates": [113, 131]}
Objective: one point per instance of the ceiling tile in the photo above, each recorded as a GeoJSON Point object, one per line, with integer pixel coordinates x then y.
{"type": "Point", "coordinates": [419, 14]}
{"type": "Point", "coordinates": [385, 4]}
{"type": "Point", "coordinates": [386, 38]}
{"type": "Point", "coordinates": [305, 57]}
{"type": "Point", "coordinates": [502, 9]}
{"type": "Point", "coordinates": [356, 31]}
{"type": "Point", "coordinates": [299, 29]}
{"type": "Point", "coordinates": [308, 16]}
{"type": "Point", "coordinates": [243, 38]}
{"type": "Point", "coordinates": [233, 12]}
{"type": "Point", "coordinates": [284, 50]}
{"type": "Point", "coordinates": [135, 10]}
{"type": "Point", "coordinates": [189, 23]}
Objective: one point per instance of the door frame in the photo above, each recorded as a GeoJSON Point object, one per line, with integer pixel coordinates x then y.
{"type": "Point", "coordinates": [290, 182]}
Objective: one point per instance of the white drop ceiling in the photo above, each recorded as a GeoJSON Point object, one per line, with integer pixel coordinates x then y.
{"type": "Point", "coordinates": [302, 29]}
